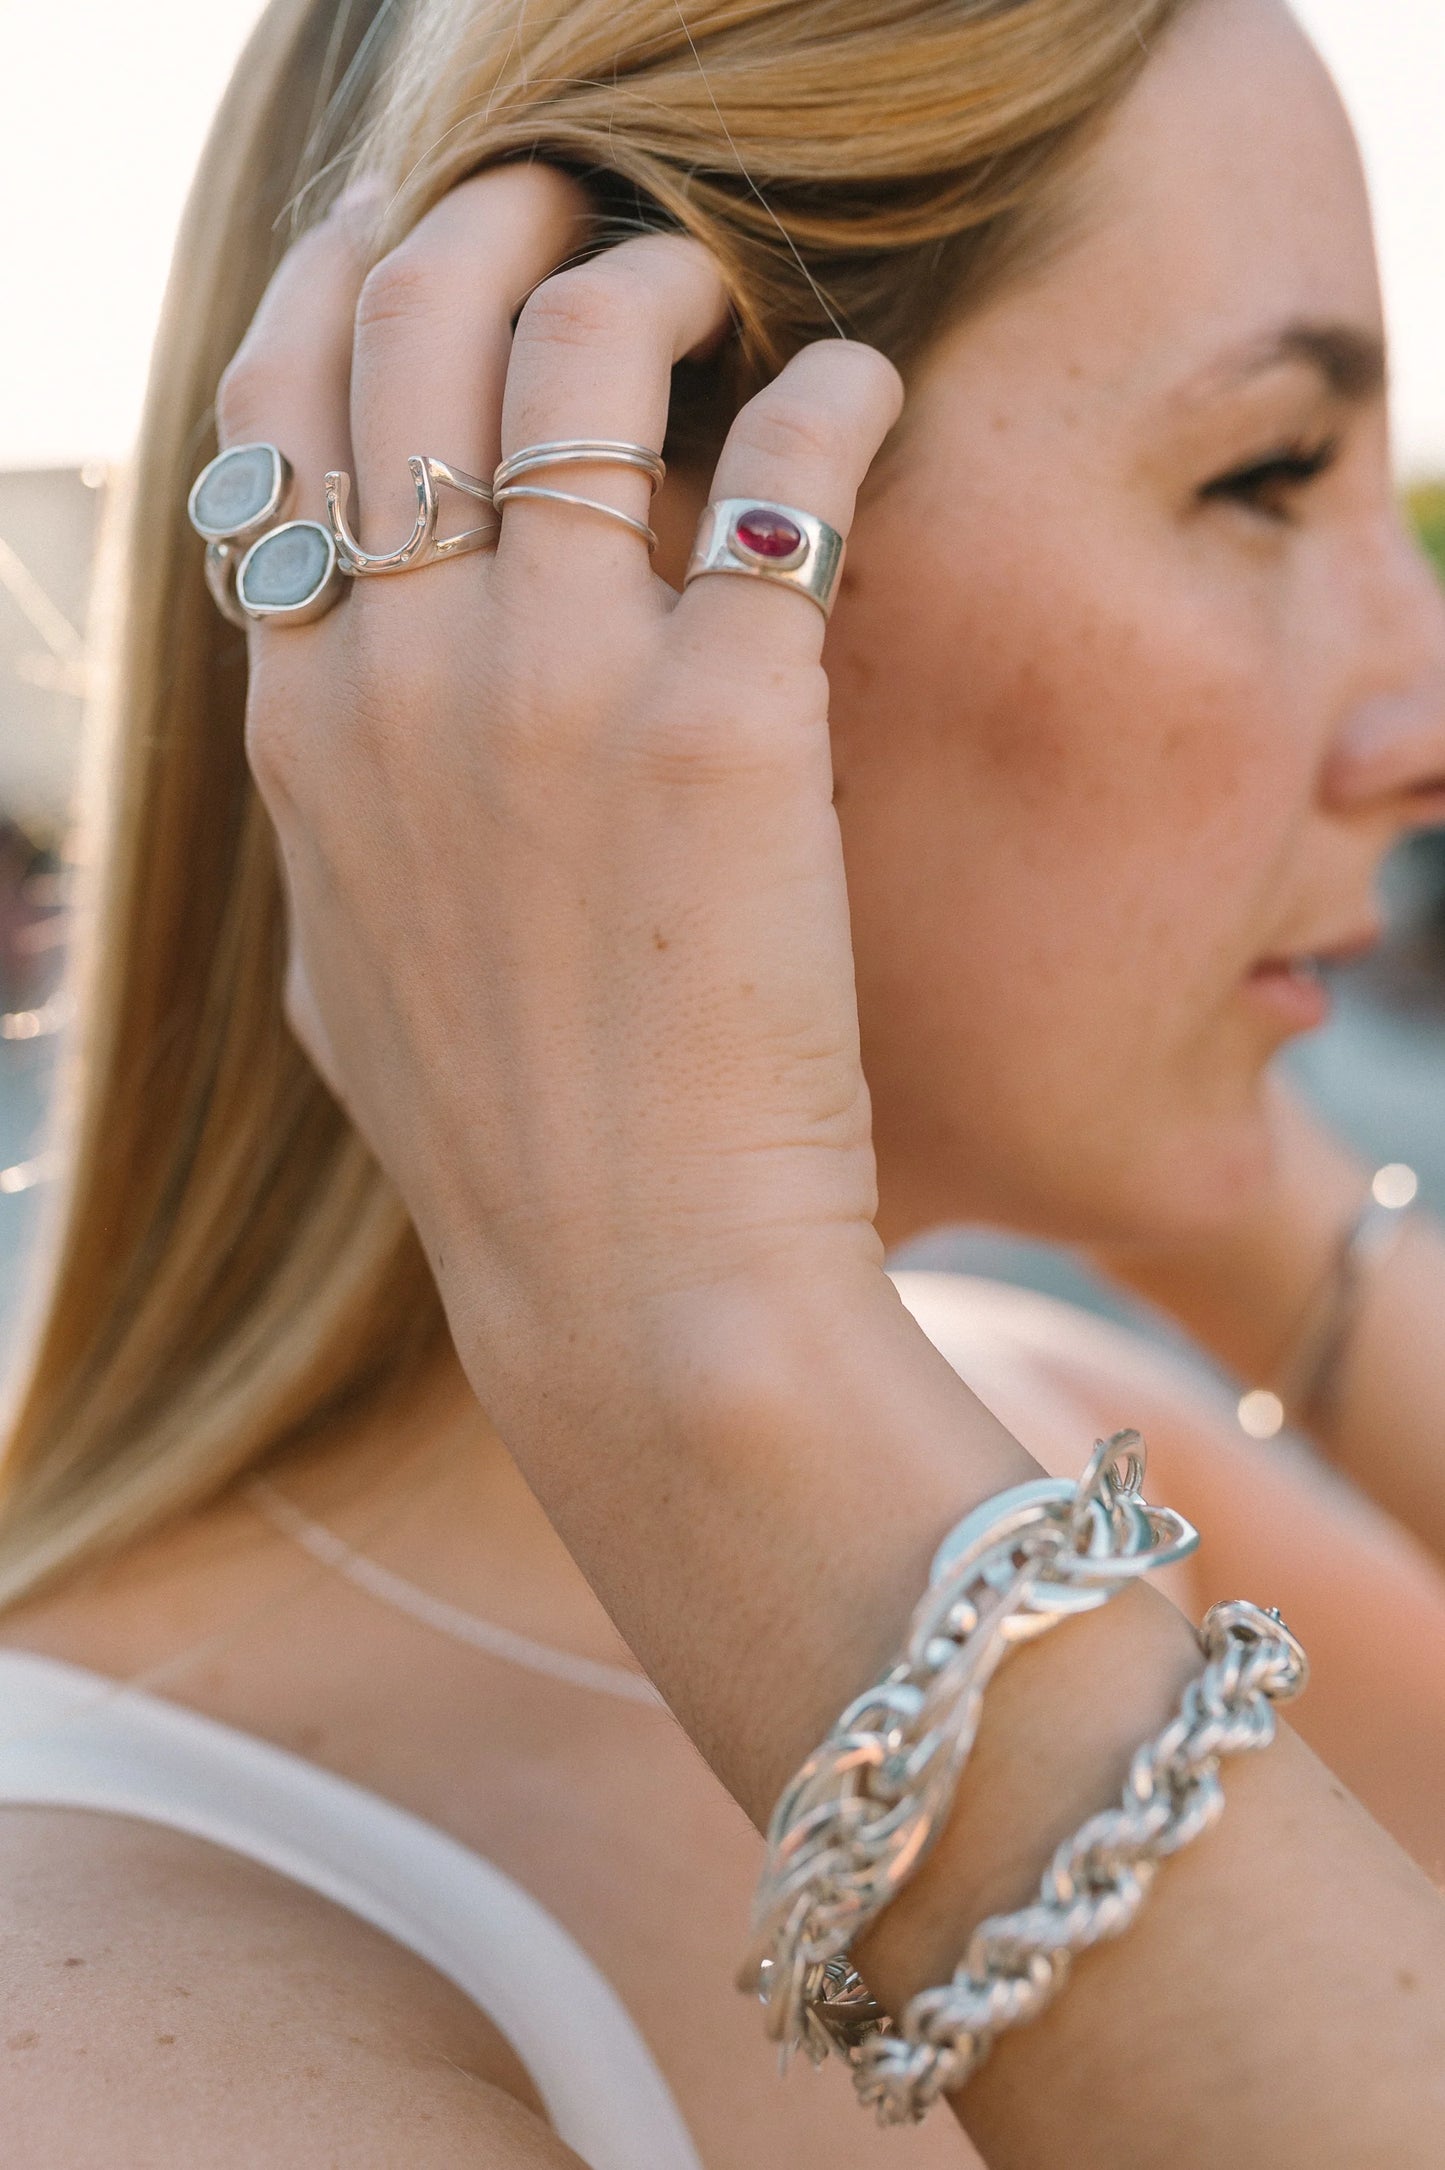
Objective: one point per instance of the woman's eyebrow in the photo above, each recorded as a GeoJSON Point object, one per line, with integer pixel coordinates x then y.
{"type": "Point", "coordinates": [1350, 359]}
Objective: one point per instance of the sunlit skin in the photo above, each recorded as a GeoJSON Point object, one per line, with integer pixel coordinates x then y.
{"type": "Point", "coordinates": [1109, 729]}
{"type": "Point", "coordinates": [1135, 679]}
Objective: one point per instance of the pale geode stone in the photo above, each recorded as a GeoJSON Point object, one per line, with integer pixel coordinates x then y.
{"type": "Point", "coordinates": [287, 568]}
{"type": "Point", "coordinates": [236, 491]}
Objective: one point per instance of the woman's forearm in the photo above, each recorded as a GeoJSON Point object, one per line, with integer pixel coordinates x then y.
{"type": "Point", "coordinates": [1282, 2000]}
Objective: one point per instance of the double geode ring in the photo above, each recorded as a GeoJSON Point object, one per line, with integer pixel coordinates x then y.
{"type": "Point", "coordinates": [255, 568]}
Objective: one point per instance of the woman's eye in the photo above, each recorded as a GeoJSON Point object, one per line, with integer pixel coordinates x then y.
{"type": "Point", "coordinates": [1270, 486]}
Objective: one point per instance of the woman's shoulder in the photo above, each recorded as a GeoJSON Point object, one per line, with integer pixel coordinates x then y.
{"type": "Point", "coordinates": [163, 1999]}
{"type": "Point", "coordinates": [1052, 1371]}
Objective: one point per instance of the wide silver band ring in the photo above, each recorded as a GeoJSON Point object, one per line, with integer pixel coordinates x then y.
{"type": "Point", "coordinates": [423, 546]}
{"type": "Point", "coordinates": [756, 539]}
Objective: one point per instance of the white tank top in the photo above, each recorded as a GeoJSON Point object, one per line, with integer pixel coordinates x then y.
{"type": "Point", "coordinates": [73, 1739]}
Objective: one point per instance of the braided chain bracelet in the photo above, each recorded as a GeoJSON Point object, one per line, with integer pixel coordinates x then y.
{"type": "Point", "coordinates": [864, 1810]}
{"type": "Point", "coordinates": [1098, 1880]}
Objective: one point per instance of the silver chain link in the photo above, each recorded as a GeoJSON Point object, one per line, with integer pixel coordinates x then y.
{"type": "Point", "coordinates": [864, 1810]}
{"type": "Point", "coordinates": [1097, 1881]}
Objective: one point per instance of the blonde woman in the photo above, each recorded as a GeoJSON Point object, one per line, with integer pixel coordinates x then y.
{"type": "Point", "coordinates": [342, 1823]}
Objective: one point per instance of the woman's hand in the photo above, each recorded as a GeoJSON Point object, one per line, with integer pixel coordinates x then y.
{"type": "Point", "coordinates": [570, 928]}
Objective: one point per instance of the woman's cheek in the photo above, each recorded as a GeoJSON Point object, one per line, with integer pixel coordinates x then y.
{"type": "Point", "coordinates": [1088, 756]}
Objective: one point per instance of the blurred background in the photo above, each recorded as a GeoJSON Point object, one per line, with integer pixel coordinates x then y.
{"type": "Point", "coordinates": [92, 183]}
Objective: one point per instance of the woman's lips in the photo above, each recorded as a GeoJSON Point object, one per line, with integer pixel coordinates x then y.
{"type": "Point", "coordinates": [1290, 993]}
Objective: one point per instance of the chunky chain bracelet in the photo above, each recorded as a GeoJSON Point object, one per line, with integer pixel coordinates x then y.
{"type": "Point", "coordinates": [864, 1810]}
{"type": "Point", "coordinates": [1098, 1880]}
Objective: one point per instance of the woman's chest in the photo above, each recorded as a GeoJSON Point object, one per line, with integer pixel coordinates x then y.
{"type": "Point", "coordinates": [606, 1815]}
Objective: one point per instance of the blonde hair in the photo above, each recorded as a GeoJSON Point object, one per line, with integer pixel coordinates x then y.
{"type": "Point", "coordinates": [229, 1271]}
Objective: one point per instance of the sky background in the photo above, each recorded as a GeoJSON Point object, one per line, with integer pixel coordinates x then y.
{"type": "Point", "coordinates": [103, 109]}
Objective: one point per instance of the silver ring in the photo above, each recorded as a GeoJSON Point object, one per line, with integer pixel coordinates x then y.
{"type": "Point", "coordinates": [759, 540]}
{"type": "Point", "coordinates": [292, 573]}
{"type": "Point", "coordinates": [233, 500]}
{"type": "Point", "coordinates": [581, 452]}
{"type": "Point", "coordinates": [511, 490]}
{"type": "Point", "coordinates": [421, 547]}
{"type": "Point", "coordinates": [221, 562]}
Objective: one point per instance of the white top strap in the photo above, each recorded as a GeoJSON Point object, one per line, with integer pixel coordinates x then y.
{"type": "Point", "coordinates": [73, 1739]}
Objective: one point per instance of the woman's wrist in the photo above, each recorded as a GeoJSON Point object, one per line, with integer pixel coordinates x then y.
{"type": "Point", "coordinates": [781, 1454]}
{"type": "Point", "coordinates": [754, 1475]}
{"type": "Point", "coordinates": [1063, 1719]}
{"type": "Point", "coordinates": [687, 1334]}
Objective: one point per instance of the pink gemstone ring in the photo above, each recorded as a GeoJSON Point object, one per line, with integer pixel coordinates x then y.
{"type": "Point", "coordinates": [758, 540]}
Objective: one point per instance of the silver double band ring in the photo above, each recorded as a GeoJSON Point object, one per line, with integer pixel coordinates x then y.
{"type": "Point", "coordinates": [508, 484]}
{"type": "Point", "coordinates": [757, 540]}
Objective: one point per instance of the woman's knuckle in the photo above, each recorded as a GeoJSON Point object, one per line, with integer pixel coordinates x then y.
{"type": "Point", "coordinates": [402, 286]}
{"type": "Point", "coordinates": [242, 395]}
{"type": "Point", "coordinates": [710, 737]}
{"type": "Point", "coordinates": [272, 752]}
{"type": "Point", "coordinates": [790, 431]}
{"type": "Point", "coordinates": [579, 308]}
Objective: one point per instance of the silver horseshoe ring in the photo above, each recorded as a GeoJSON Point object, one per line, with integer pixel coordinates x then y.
{"type": "Point", "coordinates": [422, 546]}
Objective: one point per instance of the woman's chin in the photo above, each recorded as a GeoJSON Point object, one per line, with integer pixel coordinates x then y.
{"type": "Point", "coordinates": [1187, 1184]}
{"type": "Point", "coordinates": [1163, 1170]}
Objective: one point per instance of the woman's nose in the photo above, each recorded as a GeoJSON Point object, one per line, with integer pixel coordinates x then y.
{"type": "Point", "coordinates": [1388, 751]}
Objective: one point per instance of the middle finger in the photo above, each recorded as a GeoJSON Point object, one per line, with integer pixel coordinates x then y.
{"type": "Point", "coordinates": [433, 332]}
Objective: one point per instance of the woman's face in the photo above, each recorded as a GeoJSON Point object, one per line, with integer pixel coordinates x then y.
{"type": "Point", "coordinates": [1136, 676]}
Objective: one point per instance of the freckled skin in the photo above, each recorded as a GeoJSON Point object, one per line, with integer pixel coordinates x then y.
{"type": "Point", "coordinates": [1090, 731]}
